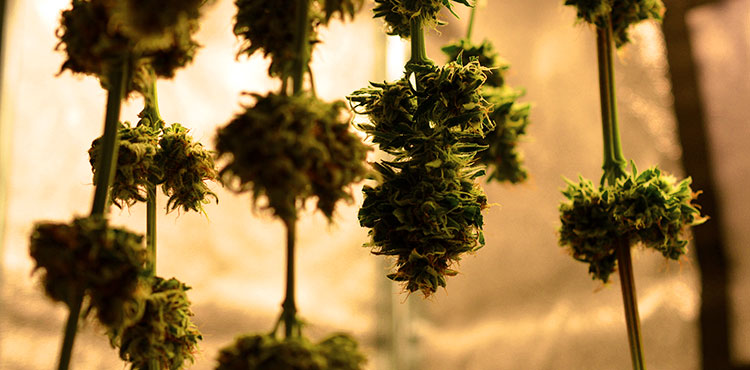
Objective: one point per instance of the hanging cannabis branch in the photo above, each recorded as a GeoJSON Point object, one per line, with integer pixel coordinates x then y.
{"type": "Point", "coordinates": [601, 223]}
{"type": "Point", "coordinates": [426, 211]}
{"type": "Point", "coordinates": [286, 149]}
{"type": "Point", "coordinates": [122, 44]}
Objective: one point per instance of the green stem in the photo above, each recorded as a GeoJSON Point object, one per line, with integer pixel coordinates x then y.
{"type": "Point", "coordinates": [71, 326]}
{"type": "Point", "coordinates": [630, 302]}
{"type": "Point", "coordinates": [301, 44]}
{"type": "Point", "coordinates": [614, 162]}
{"type": "Point", "coordinates": [289, 313]}
{"type": "Point", "coordinates": [614, 168]}
{"type": "Point", "coordinates": [151, 229]}
{"type": "Point", "coordinates": [418, 48]}
{"type": "Point", "coordinates": [470, 28]}
{"type": "Point", "coordinates": [104, 176]}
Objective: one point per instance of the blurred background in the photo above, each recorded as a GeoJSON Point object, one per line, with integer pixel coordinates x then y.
{"type": "Point", "coordinates": [519, 303]}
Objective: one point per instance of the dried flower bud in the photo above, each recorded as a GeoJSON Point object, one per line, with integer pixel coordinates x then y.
{"type": "Point", "coordinates": [649, 208]}
{"type": "Point", "coordinates": [510, 118]}
{"type": "Point", "coordinates": [484, 53]}
{"type": "Point", "coordinates": [624, 13]}
{"type": "Point", "coordinates": [261, 352]}
{"type": "Point", "coordinates": [427, 209]}
{"type": "Point", "coordinates": [290, 148]}
{"type": "Point", "coordinates": [87, 257]}
{"type": "Point", "coordinates": [186, 166]}
{"type": "Point", "coordinates": [137, 167]}
{"type": "Point", "coordinates": [398, 13]}
{"type": "Point", "coordinates": [97, 33]}
{"type": "Point", "coordinates": [165, 332]}
{"type": "Point", "coordinates": [265, 27]}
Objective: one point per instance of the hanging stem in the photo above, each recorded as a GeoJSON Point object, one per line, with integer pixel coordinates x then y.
{"type": "Point", "coordinates": [301, 44]}
{"type": "Point", "coordinates": [289, 313]}
{"type": "Point", "coordinates": [614, 168]}
{"type": "Point", "coordinates": [104, 176]}
{"type": "Point", "coordinates": [418, 48]}
{"type": "Point", "coordinates": [151, 229]}
{"type": "Point", "coordinates": [630, 302]}
{"type": "Point", "coordinates": [470, 28]}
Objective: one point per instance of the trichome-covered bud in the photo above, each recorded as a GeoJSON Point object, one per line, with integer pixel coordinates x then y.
{"type": "Point", "coordinates": [267, 27]}
{"type": "Point", "coordinates": [650, 208]}
{"type": "Point", "coordinates": [261, 352]}
{"type": "Point", "coordinates": [397, 14]}
{"type": "Point", "coordinates": [88, 258]}
{"type": "Point", "coordinates": [186, 167]}
{"type": "Point", "coordinates": [510, 118]}
{"type": "Point", "coordinates": [624, 13]}
{"type": "Point", "coordinates": [484, 53]}
{"type": "Point", "coordinates": [427, 210]}
{"type": "Point", "coordinates": [165, 333]}
{"type": "Point", "coordinates": [137, 168]}
{"type": "Point", "coordinates": [290, 148]}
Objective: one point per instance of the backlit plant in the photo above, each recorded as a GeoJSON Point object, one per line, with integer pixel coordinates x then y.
{"type": "Point", "coordinates": [125, 44]}
{"type": "Point", "coordinates": [285, 149]}
{"type": "Point", "coordinates": [601, 223]}
{"type": "Point", "coordinates": [427, 209]}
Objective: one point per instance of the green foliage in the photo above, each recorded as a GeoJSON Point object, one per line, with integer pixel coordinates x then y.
{"type": "Point", "coordinates": [427, 209]}
{"type": "Point", "coordinates": [87, 257]}
{"type": "Point", "coordinates": [648, 207]}
{"type": "Point", "coordinates": [510, 117]}
{"type": "Point", "coordinates": [165, 332]}
{"type": "Point", "coordinates": [624, 13]}
{"type": "Point", "coordinates": [187, 166]}
{"type": "Point", "coordinates": [266, 352]}
{"type": "Point", "coordinates": [151, 154]}
{"type": "Point", "coordinates": [342, 7]}
{"type": "Point", "coordinates": [290, 148]}
{"type": "Point", "coordinates": [397, 14]}
{"type": "Point", "coordinates": [97, 33]}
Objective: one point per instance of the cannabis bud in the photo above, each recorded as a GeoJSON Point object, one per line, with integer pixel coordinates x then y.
{"type": "Point", "coordinates": [151, 154]}
{"type": "Point", "coordinates": [427, 209]}
{"type": "Point", "coordinates": [649, 208]}
{"type": "Point", "coordinates": [397, 14]}
{"type": "Point", "coordinates": [290, 148]}
{"type": "Point", "coordinates": [186, 166]}
{"type": "Point", "coordinates": [510, 117]}
{"type": "Point", "coordinates": [97, 33]}
{"type": "Point", "coordinates": [137, 167]}
{"type": "Point", "coordinates": [260, 352]}
{"type": "Point", "coordinates": [267, 27]}
{"type": "Point", "coordinates": [87, 257]}
{"type": "Point", "coordinates": [165, 332]}
{"type": "Point", "coordinates": [624, 13]}
{"type": "Point", "coordinates": [343, 7]}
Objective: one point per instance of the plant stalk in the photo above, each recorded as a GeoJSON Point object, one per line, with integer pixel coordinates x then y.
{"type": "Point", "coordinates": [104, 176]}
{"type": "Point", "coordinates": [614, 162]}
{"type": "Point", "coordinates": [151, 229]}
{"type": "Point", "coordinates": [614, 168]}
{"type": "Point", "coordinates": [418, 48]}
{"type": "Point", "coordinates": [470, 28]}
{"type": "Point", "coordinates": [301, 44]}
{"type": "Point", "coordinates": [289, 313]}
{"type": "Point", "coordinates": [630, 302]}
